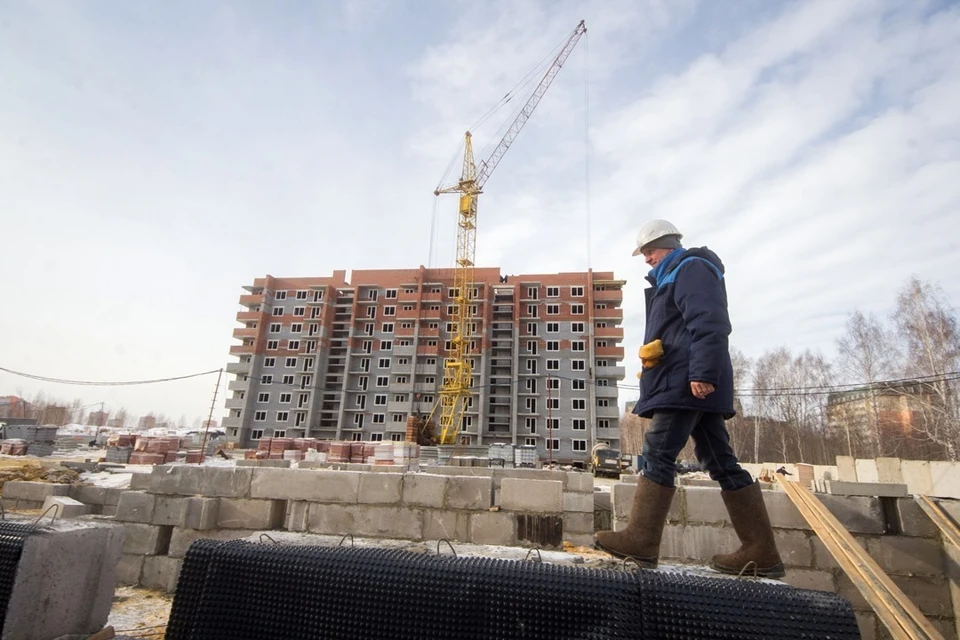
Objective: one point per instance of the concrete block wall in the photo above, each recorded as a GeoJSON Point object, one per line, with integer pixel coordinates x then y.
{"type": "Point", "coordinates": [698, 527]}
{"type": "Point", "coordinates": [521, 507]}
{"type": "Point", "coordinates": [933, 478]}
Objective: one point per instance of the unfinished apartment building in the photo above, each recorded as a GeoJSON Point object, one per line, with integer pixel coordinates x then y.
{"type": "Point", "coordinates": [327, 358]}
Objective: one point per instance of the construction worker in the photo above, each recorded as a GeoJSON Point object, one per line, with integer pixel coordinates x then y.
{"type": "Point", "coordinates": [686, 387]}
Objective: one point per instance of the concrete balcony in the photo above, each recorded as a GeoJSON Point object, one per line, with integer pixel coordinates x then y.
{"type": "Point", "coordinates": [396, 407]}
{"type": "Point", "coordinates": [611, 412]}
{"type": "Point", "coordinates": [244, 332]}
{"type": "Point", "coordinates": [406, 387]}
{"type": "Point", "coordinates": [239, 385]}
{"type": "Point", "coordinates": [609, 314]}
{"type": "Point", "coordinates": [252, 299]}
{"type": "Point", "coordinates": [609, 295]}
{"type": "Point", "coordinates": [231, 421]}
{"type": "Point", "coordinates": [615, 353]}
{"type": "Point", "coordinates": [239, 367]}
{"type": "Point", "coordinates": [404, 350]}
{"type": "Point", "coordinates": [610, 372]}
{"type": "Point", "coordinates": [607, 392]}
{"type": "Point", "coordinates": [249, 316]}
{"type": "Point", "coordinates": [608, 333]}
{"type": "Point", "coordinates": [236, 403]}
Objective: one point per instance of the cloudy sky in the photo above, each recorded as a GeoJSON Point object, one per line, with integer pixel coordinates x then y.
{"type": "Point", "coordinates": [156, 156]}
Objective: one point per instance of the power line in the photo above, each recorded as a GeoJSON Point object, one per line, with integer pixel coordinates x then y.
{"type": "Point", "coordinates": [95, 383]}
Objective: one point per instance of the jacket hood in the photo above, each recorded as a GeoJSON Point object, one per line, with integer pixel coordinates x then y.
{"type": "Point", "coordinates": [706, 254]}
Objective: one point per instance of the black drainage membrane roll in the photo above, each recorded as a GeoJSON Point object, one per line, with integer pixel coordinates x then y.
{"type": "Point", "coordinates": [240, 590]}
{"type": "Point", "coordinates": [12, 535]}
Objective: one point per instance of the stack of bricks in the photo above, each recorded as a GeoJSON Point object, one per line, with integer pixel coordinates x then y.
{"type": "Point", "coordinates": [905, 546]}
{"type": "Point", "coordinates": [157, 450]}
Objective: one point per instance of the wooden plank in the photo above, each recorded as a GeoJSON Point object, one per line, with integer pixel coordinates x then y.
{"type": "Point", "coordinates": [940, 518]}
{"type": "Point", "coordinates": [898, 614]}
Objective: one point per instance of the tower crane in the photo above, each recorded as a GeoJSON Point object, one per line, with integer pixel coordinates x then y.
{"type": "Point", "coordinates": [454, 394]}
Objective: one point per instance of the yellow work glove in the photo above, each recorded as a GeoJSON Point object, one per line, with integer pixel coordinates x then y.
{"type": "Point", "coordinates": [650, 355]}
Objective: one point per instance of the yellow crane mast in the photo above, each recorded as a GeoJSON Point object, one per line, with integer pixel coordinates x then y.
{"type": "Point", "coordinates": [454, 395]}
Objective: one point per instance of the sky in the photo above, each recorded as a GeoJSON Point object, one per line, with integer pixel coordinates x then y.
{"type": "Point", "coordinates": [156, 157]}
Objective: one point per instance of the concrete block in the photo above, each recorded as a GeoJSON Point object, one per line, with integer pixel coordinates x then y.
{"type": "Point", "coordinates": [225, 482]}
{"type": "Point", "coordinates": [888, 471]}
{"type": "Point", "coordinates": [160, 572]}
{"type": "Point", "coordinates": [129, 568]}
{"type": "Point", "coordinates": [65, 580]}
{"type": "Point", "coordinates": [169, 510]}
{"type": "Point", "coordinates": [867, 622]}
{"type": "Point", "coordinates": [28, 505]}
{"type": "Point", "coordinates": [424, 490]}
{"type": "Point", "coordinates": [579, 539]}
{"type": "Point", "coordinates": [577, 523]}
{"type": "Point", "coordinates": [536, 496]}
{"type": "Point", "coordinates": [309, 485]}
{"type": "Point", "coordinates": [33, 491]}
{"type": "Point", "coordinates": [248, 513]}
{"type": "Point", "coordinates": [705, 506]}
{"type": "Point", "coordinates": [578, 502]}
{"type": "Point", "coordinates": [146, 539]}
{"type": "Point", "coordinates": [578, 482]}
{"type": "Point", "coordinates": [917, 477]}
{"type": "Point", "coordinates": [869, 489]}
{"type": "Point", "coordinates": [825, 472]}
{"type": "Point", "coordinates": [526, 474]}
{"type": "Point", "coordinates": [913, 520]}
{"type": "Point", "coordinates": [822, 558]}
{"type": "Point", "coordinates": [8, 503]}
{"type": "Point", "coordinates": [296, 516]}
{"type": "Point", "coordinates": [931, 594]}
{"type": "Point", "coordinates": [622, 501]}
{"type": "Point", "coordinates": [867, 470]}
{"type": "Point", "coordinates": [846, 589]}
{"type": "Point", "coordinates": [404, 523]}
{"type": "Point", "coordinates": [141, 482]}
{"type": "Point", "coordinates": [900, 554]}
{"type": "Point", "coordinates": [450, 525]}
{"type": "Point", "coordinates": [856, 514]}
{"type": "Point", "coordinates": [201, 513]}
{"type": "Point", "coordinates": [109, 510]}
{"type": "Point", "coordinates": [810, 579]}
{"type": "Point", "coordinates": [493, 527]}
{"type": "Point", "coordinates": [671, 543]}
{"type": "Point", "coordinates": [181, 539]}
{"type": "Point", "coordinates": [380, 488]}
{"type": "Point", "coordinates": [946, 479]}
{"type": "Point", "coordinates": [794, 547]}
{"type": "Point", "coordinates": [469, 493]}
{"type": "Point", "coordinates": [135, 506]}
{"type": "Point", "coordinates": [89, 494]}
{"type": "Point", "coordinates": [701, 543]}
{"type": "Point", "coordinates": [178, 480]}
{"type": "Point", "coordinates": [111, 496]}
{"type": "Point", "coordinates": [846, 469]}
{"type": "Point", "coordinates": [64, 507]}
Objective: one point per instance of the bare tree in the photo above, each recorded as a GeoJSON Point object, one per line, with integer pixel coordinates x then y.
{"type": "Point", "coordinates": [739, 426]}
{"type": "Point", "coordinates": [867, 354]}
{"type": "Point", "coordinates": [77, 411]}
{"type": "Point", "coordinates": [928, 329]}
{"type": "Point", "coordinates": [120, 418]}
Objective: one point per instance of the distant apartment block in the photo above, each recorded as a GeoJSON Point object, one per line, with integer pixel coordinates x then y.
{"type": "Point", "coordinates": [327, 358]}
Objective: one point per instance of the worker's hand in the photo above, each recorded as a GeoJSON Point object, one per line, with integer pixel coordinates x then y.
{"type": "Point", "coordinates": [701, 389]}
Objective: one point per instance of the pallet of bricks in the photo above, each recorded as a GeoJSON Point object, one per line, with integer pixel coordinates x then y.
{"type": "Point", "coordinates": [284, 448]}
{"type": "Point", "coordinates": [30, 440]}
{"type": "Point", "coordinates": [119, 447]}
{"type": "Point", "coordinates": [155, 450]}
{"type": "Point", "coordinates": [375, 453]}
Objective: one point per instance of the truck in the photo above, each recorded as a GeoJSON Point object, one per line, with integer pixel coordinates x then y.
{"type": "Point", "coordinates": [607, 461]}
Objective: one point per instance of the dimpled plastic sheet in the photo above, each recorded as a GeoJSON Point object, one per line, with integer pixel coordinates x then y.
{"type": "Point", "coordinates": [241, 590]}
{"type": "Point", "coordinates": [12, 535]}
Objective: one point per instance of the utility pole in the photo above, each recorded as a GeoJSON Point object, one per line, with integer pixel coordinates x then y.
{"type": "Point", "coordinates": [206, 430]}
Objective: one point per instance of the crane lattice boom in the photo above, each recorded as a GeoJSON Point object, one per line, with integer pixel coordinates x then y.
{"type": "Point", "coordinates": [455, 393]}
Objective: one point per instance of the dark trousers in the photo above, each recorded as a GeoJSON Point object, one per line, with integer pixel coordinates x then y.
{"type": "Point", "coordinates": [669, 434]}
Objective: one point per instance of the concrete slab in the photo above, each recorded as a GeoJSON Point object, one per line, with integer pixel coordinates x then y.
{"type": "Point", "coordinates": [536, 496]}
{"type": "Point", "coordinates": [946, 479]}
{"type": "Point", "coordinates": [869, 489]}
{"type": "Point", "coordinates": [867, 470]}
{"type": "Point", "coordinates": [916, 475]}
{"type": "Point", "coordinates": [846, 469]}
{"type": "Point", "coordinates": [888, 471]}
{"type": "Point", "coordinates": [64, 507]}
{"type": "Point", "coordinates": [33, 491]}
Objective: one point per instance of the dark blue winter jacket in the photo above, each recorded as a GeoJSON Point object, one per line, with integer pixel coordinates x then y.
{"type": "Point", "coordinates": [687, 311]}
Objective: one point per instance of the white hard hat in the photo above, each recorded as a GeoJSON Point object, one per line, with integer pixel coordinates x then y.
{"type": "Point", "coordinates": [654, 230]}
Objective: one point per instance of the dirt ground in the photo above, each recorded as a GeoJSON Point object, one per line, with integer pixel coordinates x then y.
{"type": "Point", "coordinates": [139, 613]}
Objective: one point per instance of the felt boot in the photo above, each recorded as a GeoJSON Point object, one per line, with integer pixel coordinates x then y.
{"type": "Point", "coordinates": [758, 551]}
{"type": "Point", "coordinates": [641, 539]}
